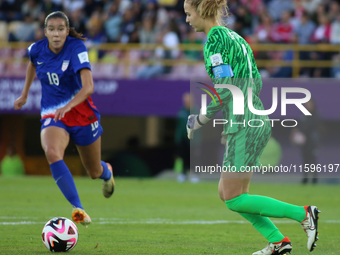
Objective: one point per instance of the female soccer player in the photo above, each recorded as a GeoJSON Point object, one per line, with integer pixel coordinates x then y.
{"type": "Point", "coordinates": [62, 65]}
{"type": "Point", "coordinates": [229, 60]}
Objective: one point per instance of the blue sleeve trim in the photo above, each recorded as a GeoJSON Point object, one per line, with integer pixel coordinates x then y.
{"type": "Point", "coordinates": [222, 71]}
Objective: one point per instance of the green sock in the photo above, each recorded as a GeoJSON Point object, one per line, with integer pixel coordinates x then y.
{"type": "Point", "coordinates": [265, 226]}
{"type": "Point", "coordinates": [266, 206]}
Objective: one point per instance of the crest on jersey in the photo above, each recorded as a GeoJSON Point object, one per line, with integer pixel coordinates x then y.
{"type": "Point", "coordinates": [47, 121]}
{"type": "Point", "coordinates": [65, 65]}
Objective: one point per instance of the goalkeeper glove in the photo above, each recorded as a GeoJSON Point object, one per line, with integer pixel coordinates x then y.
{"type": "Point", "coordinates": [192, 125]}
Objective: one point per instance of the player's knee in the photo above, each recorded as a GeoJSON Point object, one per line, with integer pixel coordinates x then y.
{"type": "Point", "coordinates": [53, 154]}
{"type": "Point", "coordinates": [220, 192]}
{"type": "Point", "coordinates": [94, 173]}
{"type": "Point", "coordinates": [234, 202]}
{"type": "Point", "coordinates": [225, 195]}
{"type": "Point", "coordinates": [231, 206]}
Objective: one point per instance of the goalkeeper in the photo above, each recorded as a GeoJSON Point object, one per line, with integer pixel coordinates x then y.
{"type": "Point", "coordinates": [229, 60]}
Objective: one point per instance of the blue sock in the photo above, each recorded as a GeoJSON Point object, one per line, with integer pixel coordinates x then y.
{"type": "Point", "coordinates": [106, 172]}
{"type": "Point", "coordinates": [65, 182]}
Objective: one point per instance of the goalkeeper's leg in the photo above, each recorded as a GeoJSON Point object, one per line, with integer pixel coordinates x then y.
{"type": "Point", "coordinates": [244, 148]}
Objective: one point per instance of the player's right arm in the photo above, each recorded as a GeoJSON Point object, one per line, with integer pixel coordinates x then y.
{"type": "Point", "coordinates": [30, 74]}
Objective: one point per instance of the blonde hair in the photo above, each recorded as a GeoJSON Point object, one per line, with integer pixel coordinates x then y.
{"type": "Point", "coordinates": [210, 9]}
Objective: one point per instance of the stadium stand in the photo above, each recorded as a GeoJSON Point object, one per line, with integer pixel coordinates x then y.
{"type": "Point", "coordinates": [141, 22]}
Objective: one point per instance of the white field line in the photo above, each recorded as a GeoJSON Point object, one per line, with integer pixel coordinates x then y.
{"type": "Point", "coordinates": [24, 221]}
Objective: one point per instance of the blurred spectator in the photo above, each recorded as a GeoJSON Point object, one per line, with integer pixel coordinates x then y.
{"type": "Point", "coordinates": [320, 11]}
{"type": "Point", "coordinates": [305, 30]}
{"type": "Point", "coordinates": [264, 30]}
{"type": "Point", "coordinates": [136, 7]}
{"type": "Point", "coordinates": [11, 164]}
{"type": "Point", "coordinates": [10, 10]}
{"type": "Point", "coordinates": [335, 39]}
{"type": "Point", "coordinates": [335, 31]}
{"type": "Point", "coordinates": [147, 33]}
{"type": "Point", "coordinates": [70, 6]}
{"type": "Point", "coordinates": [32, 8]}
{"type": "Point", "coordinates": [285, 72]}
{"type": "Point", "coordinates": [310, 6]}
{"type": "Point", "coordinates": [25, 31]}
{"type": "Point", "coordinates": [283, 31]}
{"type": "Point", "coordinates": [333, 10]}
{"type": "Point", "coordinates": [127, 26]}
{"type": "Point", "coordinates": [49, 6]}
{"type": "Point", "coordinates": [169, 50]}
{"type": "Point", "coordinates": [171, 41]}
{"type": "Point", "coordinates": [192, 39]}
{"type": "Point", "coordinates": [322, 35]}
{"type": "Point", "coordinates": [276, 7]}
{"type": "Point", "coordinates": [113, 23]}
{"type": "Point", "coordinates": [124, 5]}
{"type": "Point", "coordinates": [323, 30]}
{"type": "Point", "coordinates": [298, 8]}
{"type": "Point", "coordinates": [95, 32]}
{"type": "Point", "coordinates": [233, 6]}
{"type": "Point", "coordinates": [162, 18]}
{"type": "Point", "coordinates": [243, 21]}
{"type": "Point", "coordinates": [254, 6]}
{"type": "Point", "coordinates": [77, 21]}
{"type": "Point", "coordinates": [92, 6]}
{"type": "Point", "coordinates": [95, 36]}
{"type": "Point", "coordinates": [306, 136]}
{"type": "Point", "coordinates": [151, 9]}
{"type": "Point", "coordinates": [182, 156]}
{"type": "Point", "coordinates": [156, 67]}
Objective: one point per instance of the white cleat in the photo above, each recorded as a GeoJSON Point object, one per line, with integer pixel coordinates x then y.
{"type": "Point", "coordinates": [281, 248]}
{"type": "Point", "coordinates": [266, 251]}
{"type": "Point", "coordinates": [310, 226]}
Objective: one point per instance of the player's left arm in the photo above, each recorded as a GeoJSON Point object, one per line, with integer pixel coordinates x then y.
{"type": "Point", "coordinates": [217, 60]}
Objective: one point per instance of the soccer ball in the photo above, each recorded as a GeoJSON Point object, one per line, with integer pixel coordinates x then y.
{"type": "Point", "coordinates": [60, 234]}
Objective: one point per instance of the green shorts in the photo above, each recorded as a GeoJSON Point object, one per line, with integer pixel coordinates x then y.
{"type": "Point", "coordinates": [244, 148]}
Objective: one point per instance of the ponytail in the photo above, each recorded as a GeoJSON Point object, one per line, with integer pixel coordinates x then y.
{"type": "Point", "coordinates": [74, 33]}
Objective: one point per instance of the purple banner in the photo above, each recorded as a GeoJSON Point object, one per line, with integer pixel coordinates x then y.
{"type": "Point", "coordinates": [164, 98]}
{"type": "Point", "coordinates": [111, 97]}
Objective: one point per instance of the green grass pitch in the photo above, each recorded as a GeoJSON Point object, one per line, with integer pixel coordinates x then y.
{"type": "Point", "coordinates": [149, 216]}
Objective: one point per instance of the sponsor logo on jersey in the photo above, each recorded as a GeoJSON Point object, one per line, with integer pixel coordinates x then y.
{"type": "Point", "coordinates": [65, 65]}
{"type": "Point", "coordinates": [83, 57]}
{"type": "Point", "coordinates": [40, 63]}
{"type": "Point", "coordinates": [216, 59]}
